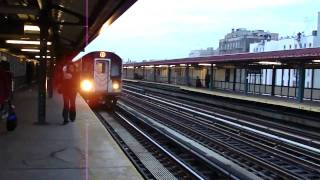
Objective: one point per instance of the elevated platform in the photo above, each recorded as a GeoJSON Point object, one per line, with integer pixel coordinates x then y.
{"type": "Point", "coordinates": [276, 101]}
{"type": "Point", "coordinates": [80, 150]}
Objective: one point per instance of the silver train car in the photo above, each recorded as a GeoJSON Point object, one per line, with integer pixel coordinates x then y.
{"type": "Point", "coordinates": [100, 77]}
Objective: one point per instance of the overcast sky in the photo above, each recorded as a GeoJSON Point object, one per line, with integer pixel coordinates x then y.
{"type": "Point", "coordinates": [166, 29]}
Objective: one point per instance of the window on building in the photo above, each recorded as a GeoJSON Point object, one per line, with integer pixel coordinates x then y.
{"type": "Point", "coordinates": [284, 47]}
{"type": "Point", "coordinates": [310, 45]}
{"type": "Point", "coordinates": [290, 46]}
{"type": "Point", "coordinates": [295, 46]}
{"type": "Point", "coordinates": [305, 45]}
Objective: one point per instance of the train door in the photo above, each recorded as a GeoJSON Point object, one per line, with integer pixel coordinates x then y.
{"type": "Point", "coordinates": [101, 74]}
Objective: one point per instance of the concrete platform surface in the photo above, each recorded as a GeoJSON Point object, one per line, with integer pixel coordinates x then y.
{"type": "Point", "coordinates": [80, 150]}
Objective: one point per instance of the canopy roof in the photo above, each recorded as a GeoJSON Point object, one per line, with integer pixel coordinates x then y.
{"type": "Point", "coordinates": [72, 23]}
{"type": "Point", "coordinates": [296, 55]}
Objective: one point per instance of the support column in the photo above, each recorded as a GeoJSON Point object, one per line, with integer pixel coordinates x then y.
{"type": "Point", "coordinates": [187, 76]}
{"type": "Point", "coordinates": [50, 78]}
{"type": "Point", "coordinates": [211, 78]}
{"type": "Point", "coordinates": [169, 74]}
{"type": "Point", "coordinates": [234, 79]}
{"type": "Point", "coordinates": [273, 83]}
{"type": "Point", "coordinates": [143, 72]}
{"type": "Point", "coordinates": [301, 82]}
{"type": "Point", "coordinates": [154, 74]}
{"type": "Point", "coordinates": [127, 72]}
{"type": "Point", "coordinates": [134, 72]}
{"type": "Point", "coordinates": [44, 26]}
{"type": "Point", "coordinates": [246, 83]}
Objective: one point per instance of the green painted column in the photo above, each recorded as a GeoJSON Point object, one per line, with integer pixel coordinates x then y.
{"type": "Point", "coordinates": [301, 82]}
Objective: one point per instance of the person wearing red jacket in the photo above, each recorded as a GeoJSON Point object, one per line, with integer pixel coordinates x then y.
{"type": "Point", "coordinates": [5, 83]}
{"type": "Point", "coordinates": [69, 88]}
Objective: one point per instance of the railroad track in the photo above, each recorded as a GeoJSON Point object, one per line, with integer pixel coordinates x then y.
{"type": "Point", "coordinates": [265, 124]}
{"type": "Point", "coordinates": [266, 155]}
{"type": "Point", "coordinates": [181, 162]}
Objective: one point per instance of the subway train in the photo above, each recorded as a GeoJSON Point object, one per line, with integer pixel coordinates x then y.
{"type": "Point", "coordinates": [100, 77]}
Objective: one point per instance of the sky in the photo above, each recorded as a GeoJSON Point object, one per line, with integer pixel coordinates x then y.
{"type": "Point", "coordinates": [167, 29]}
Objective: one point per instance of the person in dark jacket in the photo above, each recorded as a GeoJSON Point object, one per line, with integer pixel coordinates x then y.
{"type": "Point", "coordinates": [207, 80]}
{"type": "Point", "coordinates": [198, 82]}
{"type": "Point", "coordinates": [69, 89]}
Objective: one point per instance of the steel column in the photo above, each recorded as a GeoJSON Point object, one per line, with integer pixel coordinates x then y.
{"type": "Point", "coordinates": [154, 74]}
{"type": "Point", "coordinates": [187, 76]}
{"type": "Point", "coordinates": [143, 73]}
{"type": "Point", "coordinates": [44, 26]}
{"type": "Point", "coordinates": [246, 81]}
{"type": "Point", "coordinates": [169, 74]}
{"type": "Point", "coordinates": [234, 79]}
{"type": "Point", "coordinates": [273, 83]}
{"type": "Point", "coordinates": [134, 72]}
{"type": "Point", "coordinates": [211, 77]}
{"type": "Point", "coordinates": [301, 82]}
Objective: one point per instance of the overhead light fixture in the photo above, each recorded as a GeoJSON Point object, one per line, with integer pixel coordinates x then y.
{"type": "Point", "coordinates": [38, 57]}
{"type": "Point", "coordinates": [172, 65]}
{"type": "Point", "coordinates": [31, 28]}
{"type": "Point", "coordinates": [32, 50]}
{"type": "Point", "coordinates": [205, 64]}
{"type": "Point", "coordinates": [316, 61]}
{"type": "Point", "coordinates": [269, 63]}
{"type": "Point", "coordinates": [25, 42]}
{"type": "Point", "coordinates": [162, 66]}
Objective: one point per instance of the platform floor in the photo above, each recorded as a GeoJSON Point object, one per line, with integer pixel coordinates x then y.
{"type": "Point", "coordinates": [308, 106]}
{"type": "Point", "coordinates": [80, 150]}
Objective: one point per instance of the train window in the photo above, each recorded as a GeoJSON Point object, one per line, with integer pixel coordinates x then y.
{"type": "Point", "coordinates": [115, 70]}
{"type": "Point", "coordinates": [101, 67]}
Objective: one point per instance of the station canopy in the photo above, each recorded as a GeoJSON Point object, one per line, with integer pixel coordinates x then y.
{"type": "Point", "coordinates": [72, 24]}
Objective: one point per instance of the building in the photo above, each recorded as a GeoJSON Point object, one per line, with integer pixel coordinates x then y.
{"type": "Point", "coordinates": [299, 41]}
{"type": "Point", "coordinates": [239, 40]}
{"type": "Point", "coordinates": [210, 51]}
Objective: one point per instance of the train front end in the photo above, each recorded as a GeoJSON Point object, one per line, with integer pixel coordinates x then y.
{"type": "Point", "coordinates": [101, 81]}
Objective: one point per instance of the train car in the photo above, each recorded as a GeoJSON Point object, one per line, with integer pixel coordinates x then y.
{"type": "Point", "coordinates": [100, 77]}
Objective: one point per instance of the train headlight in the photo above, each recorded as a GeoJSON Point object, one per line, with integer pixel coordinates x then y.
{"type": "Point", "coordinates": [86, 85]}
{"type": "Point", "coordinates": [115, 85]}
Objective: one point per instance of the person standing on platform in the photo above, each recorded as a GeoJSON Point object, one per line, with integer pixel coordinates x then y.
{"type": "Point", "coordinates": [69, 89]}
{"type": "Point", "coordinates": [207, 80]}
{"type": "Point", "coordinates": [198, 82]}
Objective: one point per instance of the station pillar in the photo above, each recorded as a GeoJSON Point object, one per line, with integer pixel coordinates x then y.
{"type": "Point", "coordinates": [246, 83]}
{"type": "Point", "coordinates": [187, 77]}
{"type": "Point", "coordinates": [134, 72]}
{"type": "Point", "coordinates": [273, 83]}
{"type": "Point", "coordinates": [127, 72]}
{"type": "Point", "coordinates": [42, 91]}
{"type": "Point", "coordinates": [234, 79]}
{"type": "Point", "coordinates": [143, 73]}
{"type": "Point", "coordinates": [211, 77]}
{"type": "Point", "coordinates": [301, 82]}
{"type": "Point", "coordinates": [50, 78]}
{"type": "Point", "coordinates": [169, 74]}
{"type": "Point", "coordinates": [154, 74]}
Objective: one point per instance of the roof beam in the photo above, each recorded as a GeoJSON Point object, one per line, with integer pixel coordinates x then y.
{"type": "Point", "coordinates": [5, 9]}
